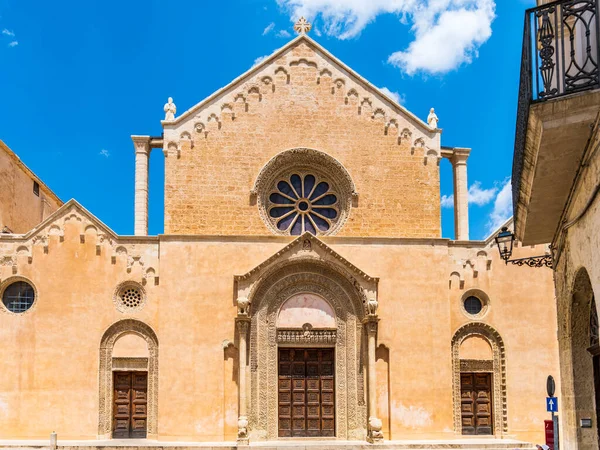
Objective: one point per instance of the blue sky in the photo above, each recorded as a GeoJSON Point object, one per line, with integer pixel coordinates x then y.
{"type": "Point", "coordinates": [78, 78]}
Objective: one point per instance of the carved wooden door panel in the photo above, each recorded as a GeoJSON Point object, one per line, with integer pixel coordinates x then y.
{"type": "Point", "coordinates": [285, 392]}
{"type": "Point", "coordinates": [327, 392]}
{"type": "Point", "coordinates": [298, 393]}
{"type": "Point", "coordinates": [476, 403]}
{"type": "Point", "coordinates": [139, 402]}
{"type": "Point", "coordinates": [130, 411]}
{"type": "Point", "coordinates": [306, 392]}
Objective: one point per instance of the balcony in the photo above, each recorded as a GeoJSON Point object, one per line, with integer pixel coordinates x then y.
{"type": "Point", "coordinates": [559, 98]}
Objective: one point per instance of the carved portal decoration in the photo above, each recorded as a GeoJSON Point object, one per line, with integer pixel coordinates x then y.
{"type": "Point", "coordinates": [304, 162]}
{"type": "Point", "coordinates": [108, 364]}
{"type": "Point", "coordinates": [498, 369]}
{"type": "Point", "coordinates": [275, 287]}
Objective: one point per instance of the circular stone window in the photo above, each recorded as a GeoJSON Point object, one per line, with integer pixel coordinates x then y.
{"type": "Point", "coordinates": [303, 202]}
{"type": "Point", "coordinates": [18, 297]}
{"type": "Point", "coordinates": [130, 296]}
{"type": "Point", "coordinates": [475, 304]}
{"type": "Point", "coordinates": [304, 190]}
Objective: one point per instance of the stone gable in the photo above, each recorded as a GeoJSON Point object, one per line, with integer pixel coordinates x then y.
{"type": "Point", "coordinates": [300, 97]}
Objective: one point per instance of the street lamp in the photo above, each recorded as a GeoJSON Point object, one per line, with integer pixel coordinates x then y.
{"type": "Point", "coordinates": [505, 241]}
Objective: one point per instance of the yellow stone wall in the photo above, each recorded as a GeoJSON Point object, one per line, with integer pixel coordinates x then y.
{"type": "Point", "coordinates": [50, 369]}
{"type": "Point", "coordinates": [20, 208]}
{"type": "Point", "coordinates": [207, 187]}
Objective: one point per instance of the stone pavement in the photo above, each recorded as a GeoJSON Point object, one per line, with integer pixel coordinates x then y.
{"type": "Point", "coordinates": [137, 444]}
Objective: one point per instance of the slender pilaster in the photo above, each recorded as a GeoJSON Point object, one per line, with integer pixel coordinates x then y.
{"type": "Point", "coordinates": [461, 193]}
{"type": "Point", "coordinates": [243, 324]}
{"type": "Point", "coordinates": [142, 155]}
{"type": "Point", "coordinates": [375, 434]}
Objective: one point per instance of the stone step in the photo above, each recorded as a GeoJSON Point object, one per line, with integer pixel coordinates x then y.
{"type": "Point", "coordinates": [141, 444]}
{"type": "Point", "coordinates": [288, 446]}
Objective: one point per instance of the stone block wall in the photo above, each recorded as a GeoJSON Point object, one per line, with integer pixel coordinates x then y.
{"type": "Point", "coordinates": [301, 100]}
{"type": "Point", "coordinates": [21, 208]}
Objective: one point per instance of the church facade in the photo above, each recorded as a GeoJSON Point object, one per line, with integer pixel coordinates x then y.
{"type": "Point", "coordinates": [301, 288]}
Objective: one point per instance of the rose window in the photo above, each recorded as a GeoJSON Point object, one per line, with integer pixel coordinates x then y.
{"type": "Point", "coordinates": [129, 296]}
{"type": "Point", "coordinates": [303, 203]}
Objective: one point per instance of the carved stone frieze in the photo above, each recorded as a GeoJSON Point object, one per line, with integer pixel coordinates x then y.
{"type": "Point", "coordinates": [130, 364]}
{"type": "Point", "coordinates": [476, 365]}
{"type": "Point", "coordinates": [306, 337]}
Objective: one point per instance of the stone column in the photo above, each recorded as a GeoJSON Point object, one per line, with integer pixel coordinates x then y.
{"type": "Point", "coordinates": [374, 434]}
{"type": "Point", "coordinates": [243, 324]}
{"type": "Point", "coordinates": [142, 156]}
{"type": "Point", "coordinates": [461, 193]}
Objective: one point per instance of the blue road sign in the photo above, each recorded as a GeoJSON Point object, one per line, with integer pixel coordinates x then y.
{"type": "Point", "coordinates": [551, 404]}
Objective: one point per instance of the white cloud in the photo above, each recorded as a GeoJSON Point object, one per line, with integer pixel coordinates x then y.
{"type": "Point", "coordinates": [447, 33]}
{"type": "Point", "coordinates": [477, 196]}
{"type": "Point", "coordinates": [8, 32]}
{"type": "Point", "coordinates": [283, 33]}
{"type": "Point", "coordinates": [104, 153]}
{"type": "Point", "coordinates": [502, 207]}
{"type": "Point", "coordinates": [259, 60]}
{"type": "Point", "coordinates": [398, 98]}
{"type": "Point", "coordinates": [480, 196]}
{"type": "Point", "coordinates": [447, 201]}
{"type": "Point", "coordinates": [13, 44]}
{"type": "Point", "coordinates": [269, 28]}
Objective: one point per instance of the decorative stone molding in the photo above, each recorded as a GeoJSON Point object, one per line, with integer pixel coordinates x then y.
{"type": "Point", "coordinates": [328, 72]}
{"type": "Point", "coordinates": [304, 161]}
{"type": "Point", "coordinates": [130, 364]}
{"type": "Point", "coordinates": [307, 337]}
{"type": "Point", "coordinates": [273, 290]}
{"type": "Point", "coordinates": [111, 335]}
{"type": "Point", "coordinates": [309, 248]}
{"type": "Point", "coordinates": [476, 365]}
{"type": "Point", "coordinates": [86, 230]}
{"type": "Point", "coordinates": [500, 410]}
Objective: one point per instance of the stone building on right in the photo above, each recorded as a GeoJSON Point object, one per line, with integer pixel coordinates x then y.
{"type": "Point", "coordinates": [556, 181]}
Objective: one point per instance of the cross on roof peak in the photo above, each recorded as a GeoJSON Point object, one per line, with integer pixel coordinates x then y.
{"type": "Point", "coordinates": [303, 26]}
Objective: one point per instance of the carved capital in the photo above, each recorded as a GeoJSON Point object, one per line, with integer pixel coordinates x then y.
{"type": "Point", "coordinates": [141, 144]}
{"type": "Point", "coordinates": [459, 156]}
{"type": "Point", "coordinates": [243, 323]}
{"type": "Point", "coordinates": [371, 323]}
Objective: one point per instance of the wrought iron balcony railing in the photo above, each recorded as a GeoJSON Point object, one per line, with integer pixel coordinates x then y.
{"type": "Point", "coordinates": [560, 56]}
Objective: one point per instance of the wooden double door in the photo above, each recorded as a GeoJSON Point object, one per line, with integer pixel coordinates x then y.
{"type": "Point", "coordinates": [130, 410]}
{"type": "Point", "coordinates": [476, 403]}
{"type": "Point", "coordinates": [306, 392]}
